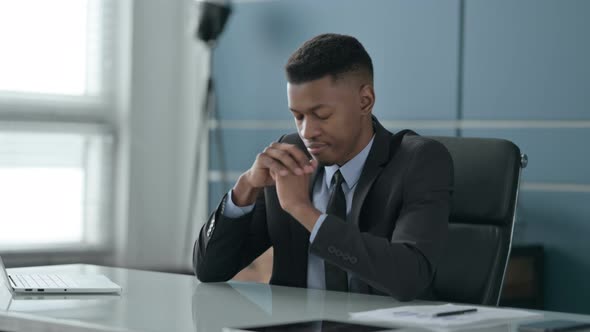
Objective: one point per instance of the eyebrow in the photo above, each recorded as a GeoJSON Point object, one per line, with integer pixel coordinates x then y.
{"type": "Point", "coordinates": [311, 109]}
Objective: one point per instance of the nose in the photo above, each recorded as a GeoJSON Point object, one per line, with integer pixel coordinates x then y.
{"type": "Point", "coordinates": [309, 128]}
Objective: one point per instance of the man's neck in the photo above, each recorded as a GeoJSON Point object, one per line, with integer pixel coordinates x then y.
{"type": "Point", "coordinates": [365, 138]}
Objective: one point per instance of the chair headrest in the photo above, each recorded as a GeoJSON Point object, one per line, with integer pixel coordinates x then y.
{"type": "Point", "coordinates": [487, 170]}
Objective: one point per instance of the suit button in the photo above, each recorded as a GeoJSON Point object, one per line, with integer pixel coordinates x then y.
{"type": "Point", "coordinates": [353, 260]}
{"type": "Point", "coordinates": [331, 249]}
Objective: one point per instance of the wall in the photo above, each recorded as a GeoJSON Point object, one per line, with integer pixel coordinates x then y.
{"type": "Point", "coordinates": [530, 60]}
{"type": "Point", "coordinates": [261, 35]}
{"type": "Point", "coordinates": [511, 69]}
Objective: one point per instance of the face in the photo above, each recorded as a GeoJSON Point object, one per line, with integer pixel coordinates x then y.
{"type": "Point", "coordinates": [333, 117]}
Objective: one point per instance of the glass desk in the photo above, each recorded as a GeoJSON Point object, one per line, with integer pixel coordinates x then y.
{"type": "Point", "coordinates": [154, 301]}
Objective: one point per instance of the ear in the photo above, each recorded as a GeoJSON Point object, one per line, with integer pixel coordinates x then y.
{"type": "Point", "coordinates": [367, 98]}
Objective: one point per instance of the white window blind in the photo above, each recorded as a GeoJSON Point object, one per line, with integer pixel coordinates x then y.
{"type": "Point", "coordinates": [56, 48]}
{"type": "Point", "coordinates": [57, 63]}
{"type": "Point", "coordinates": [52, 188]}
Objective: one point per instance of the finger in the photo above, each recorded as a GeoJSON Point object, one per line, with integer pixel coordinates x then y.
{"type": "Point", "coordinates": [299, 156]}
{"type": "Point", "coordinates": [273, 175]}
{"type": "Point", "coordinates": [285, 158]}
{"type": "Point", "coordinates": [273, 165]}
{"type": "Point", "coordinates": [313, 164]}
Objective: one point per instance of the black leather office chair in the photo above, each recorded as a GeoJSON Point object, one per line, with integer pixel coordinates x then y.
{"type": "Point", "coordinates": [487, 176]}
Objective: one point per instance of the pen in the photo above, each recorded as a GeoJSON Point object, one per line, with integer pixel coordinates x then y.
{"type": "Point", "coordinates": [456, 312]}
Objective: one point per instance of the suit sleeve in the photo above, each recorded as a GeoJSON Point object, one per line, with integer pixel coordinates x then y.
{"type": "Point", "coordinates": [227, 245]}
{"type": "Point", "coordinates": [404, 265]}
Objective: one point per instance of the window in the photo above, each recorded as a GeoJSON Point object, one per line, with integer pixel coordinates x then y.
{"type": "Point", "coordinates": [53, 47]}
{"type": "Point", "coordinates": [56, 101]}
{"type": "Point", "coordinates": [51, 187]}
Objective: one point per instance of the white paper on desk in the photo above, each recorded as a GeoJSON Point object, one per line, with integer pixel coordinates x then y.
{"type": "Point", "coordinates": [423, 315]}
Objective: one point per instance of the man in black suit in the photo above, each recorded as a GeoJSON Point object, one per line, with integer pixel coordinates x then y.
{"type": "Point", "coordinates": [345, 204]}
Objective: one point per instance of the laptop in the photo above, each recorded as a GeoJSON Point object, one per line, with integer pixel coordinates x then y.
{"type": "Point", "coordinates": [57, 283]}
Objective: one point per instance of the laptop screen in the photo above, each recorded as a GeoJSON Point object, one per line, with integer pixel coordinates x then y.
{"type": "Point", "coordinates": [4, 274]}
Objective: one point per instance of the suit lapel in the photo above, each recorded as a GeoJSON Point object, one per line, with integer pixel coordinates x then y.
{"type": "Point", "coordinates": [376, 160]}
{"type": "Point", "coordinates": [378, 155]}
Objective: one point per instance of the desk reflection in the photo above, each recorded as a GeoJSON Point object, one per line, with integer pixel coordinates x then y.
{"type": "Point", "coordinates": [237, 304]}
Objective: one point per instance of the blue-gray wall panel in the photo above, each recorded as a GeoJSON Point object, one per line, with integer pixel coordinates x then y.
{"type": "Point", "coordinates": [428, 131]}
{"type": "Point", "coordinates": [413, 45]}
{"type": "Point", "coordinates": [561, 223]}
{"type": "Point", "coordinates": [527, 59]}
{"type": "Point", "coordinates": [555, 155]}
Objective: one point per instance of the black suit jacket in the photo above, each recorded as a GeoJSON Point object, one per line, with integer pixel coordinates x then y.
{"type": "Point", "coordinates": [390, 242]}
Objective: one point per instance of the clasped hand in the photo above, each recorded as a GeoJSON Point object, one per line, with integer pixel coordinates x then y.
{"type": "Point", "coordinates": [289, 169]}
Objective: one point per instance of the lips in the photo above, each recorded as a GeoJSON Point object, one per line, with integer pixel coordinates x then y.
{"type": "Point", "coordinates": [316, 148]}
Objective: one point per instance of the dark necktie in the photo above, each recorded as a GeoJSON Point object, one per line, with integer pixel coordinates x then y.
{"type": "Point", "coordinates": [336, 278]}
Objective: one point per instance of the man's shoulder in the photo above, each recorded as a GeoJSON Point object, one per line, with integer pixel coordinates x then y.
{"type": "Point", "coordinates": [292, 138]}
{"type": "Point", "coordinates": [412, 143]}
{"type": "Point", "coordinates": [412, 140]}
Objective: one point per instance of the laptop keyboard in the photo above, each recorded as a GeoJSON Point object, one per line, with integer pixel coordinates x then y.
{"type": "Point", "coordinates": [43, 281]}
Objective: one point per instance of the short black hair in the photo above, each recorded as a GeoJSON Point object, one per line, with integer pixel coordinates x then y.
{"type": "Point", "coordinates": [328, 54]}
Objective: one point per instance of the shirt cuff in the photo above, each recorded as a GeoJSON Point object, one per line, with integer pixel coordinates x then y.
{"type": "Point", "coordinates": [317, 226]}
{"type": "Point", "coordinates": [231, 210]}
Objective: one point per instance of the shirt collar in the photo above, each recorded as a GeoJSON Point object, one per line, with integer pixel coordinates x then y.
{"type": "Point", "coordinates": [351, 171]}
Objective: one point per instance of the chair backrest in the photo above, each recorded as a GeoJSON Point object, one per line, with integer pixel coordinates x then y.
{"type": "Point", "coordinates": [487, 176]}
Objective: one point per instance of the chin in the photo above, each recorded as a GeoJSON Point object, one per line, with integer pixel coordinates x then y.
{"type": "Point", "coordinates": [323, 164]}
{"type": "Point", "coordinates": [324, 161]}
{"type": "Point", "coordinates": [326, 158]}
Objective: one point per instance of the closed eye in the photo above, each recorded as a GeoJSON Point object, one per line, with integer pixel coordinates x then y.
{"type": "Point", "coordinates": [315, 113]}
{"type": "Point", "coordinates": [298, 116]}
